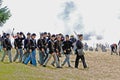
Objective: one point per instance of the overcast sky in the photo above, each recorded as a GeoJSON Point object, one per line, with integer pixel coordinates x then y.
{"type": "Point", "coordinates": [99, 16]}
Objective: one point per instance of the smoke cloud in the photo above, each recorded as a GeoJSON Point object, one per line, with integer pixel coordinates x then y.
{"type": "Point", "coordinates": [68, 9]}
{"type": "Point", "coordinates": [99, 37]}
{"type": "Point", "coordinates": [88, 36]}
{"type": "Point", "coordinates": [78, 25]}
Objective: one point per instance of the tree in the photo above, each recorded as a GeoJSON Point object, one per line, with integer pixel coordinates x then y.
{"type": "Point", "coordinates": [4, 14]}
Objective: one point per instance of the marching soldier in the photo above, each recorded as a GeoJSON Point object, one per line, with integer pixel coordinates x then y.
{"type": "Point", "coordinates": [67, 45]}
{"type": "Point", "coordinates": [79, 52]}
{"type": "Point", "coordinates": [45, 43]}
{"type": "Point", "coordinates": [7, 48]}
{"type": "Point", "coordinates": [58, 44]}
{"type": "Point", "coordinates": [26, 47]}
{"type": "Point", "coordinates": [32, 48]}
{"type": "Point", "coordinates": [41, 49]}
{"type": "Point", "coordinates": [51, 47]}
{"type": "Point", "coordinates": [18, 43]}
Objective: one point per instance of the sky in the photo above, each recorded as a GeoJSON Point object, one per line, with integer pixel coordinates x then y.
{"type": "Point", "coordinates": [96, 17]}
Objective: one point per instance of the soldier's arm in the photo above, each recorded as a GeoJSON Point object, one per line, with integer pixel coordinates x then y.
{"type": "Point", "coordinates": [71, 44]}
{"type": "Point", "coordinates": [35, 44]}
{"type": "Point", "coordinates": [64, 47]}
{"type": "Point", "coordinates": [79, 44]}
{"type": "Point", "coordinates": [4, 44]}
{"type": "Point", "coordinates": [23, 37]}
{"type": "Point", "coordinates": [25, 44]}
{"type": "Point", "coordinates": [15, 43]}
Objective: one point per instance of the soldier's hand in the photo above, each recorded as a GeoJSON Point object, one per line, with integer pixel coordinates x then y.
{"type": "Point", "coordinates": [57, 53]}
{"type": "Point", "coordinates": [57, 50]}
{"type": "Point", "coordinates": [53, 53]}
{"type": "Point", "coordinates": [30, 50]}
{"type": "Point", "coordinates": [64, 51]}
{"type": "Point", "coordinates": [4, 49]}
{"type": "Point", "coordinates": [16, 47]}
{"type": "Point", "coordinates": [43, 50]}
{"type": "Point", "coordinates": [18, 51]}
{"type": "Point", "coordinates": [25, 51]}
{"type": "Point", "coordinates": [37, 48]}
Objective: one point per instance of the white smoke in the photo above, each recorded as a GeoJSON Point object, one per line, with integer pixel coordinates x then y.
{"type": "Point", "coordinates": [65, 16]}
{"type": "Point", "coordinates": [73, 21]}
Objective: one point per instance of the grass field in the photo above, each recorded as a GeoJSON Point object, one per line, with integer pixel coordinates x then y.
{"type": "Point", "coordinates": [102, 66]}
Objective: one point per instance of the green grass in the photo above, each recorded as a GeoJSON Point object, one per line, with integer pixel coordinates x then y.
{"type": "Point", "coordinates": [18, 71]}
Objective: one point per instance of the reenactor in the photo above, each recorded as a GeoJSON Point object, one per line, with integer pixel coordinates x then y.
{"type": "Point", "coordinates": [32, 48]}
{"type": "Point", "coordinates": [80, 52]}
{"type": "Point", "coordinates": [41, 48]}
{"type": "Point", "coordinates": [67, 45]}
{"type": "Point", "coordinates": [45, 43]}
{"type": "Point", "coordinates": [18, 43]}
{"type": "Point", "coordinates": [114, 49]}
{"type": "Point", "coordinates": [104, 48]}
{"type": "Point", "coordinates": [26, 47]}
{"type": "Point", "coordinates": [86, 47]}
{"type": "Point", "coordinates": [91, 49]}
{"type": "Point", "coordinates": [58, 44]}
{"type": "Point", "coordinates": [52, 52]}
{"type": "Point", "coordinates": [7, 48]}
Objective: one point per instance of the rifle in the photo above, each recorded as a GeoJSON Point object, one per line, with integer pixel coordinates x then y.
{"type": "Point", "coordinates": [13, 32]}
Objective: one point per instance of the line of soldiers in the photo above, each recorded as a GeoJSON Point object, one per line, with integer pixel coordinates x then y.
{"type": "Point", "coordinates": [47, 45]}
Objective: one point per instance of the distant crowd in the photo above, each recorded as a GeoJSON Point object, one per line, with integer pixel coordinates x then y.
{"type": "Point", "coordinates": [48, 45]}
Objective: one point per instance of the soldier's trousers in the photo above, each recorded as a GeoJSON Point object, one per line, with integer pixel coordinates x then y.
{"type": "Point", "coordinates": [49, 57]}
{"type": "Point", "coordinates": [82, 59]}
{"type": "Point", "coordinates": [46, 54]}
{"type": "Point", "coordinates": [57, 59]}
{"type": "Point", "coordinates": [67, 60]}
{"type": "Point", "coordinates": [25, 56]}
{"type": "Point", "coordinates": [41, 57]}
{"type": "Point", "coordinates": [7, 52]}
{"type": "Point", "coordinates": [31, 57]}
{"type": "Point", "coordinates": [19, 54]}
{"type": "Point", "coordinates": [0, 48]}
